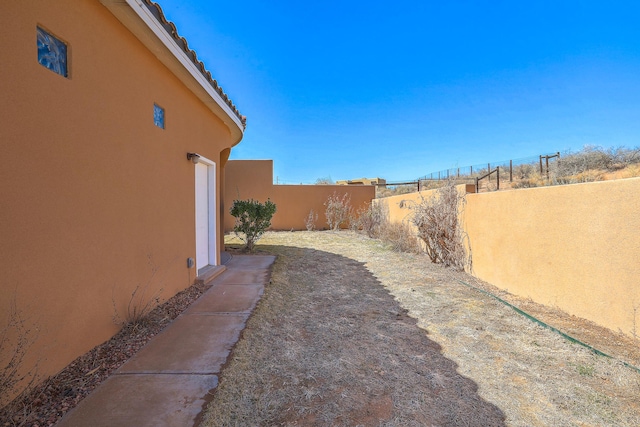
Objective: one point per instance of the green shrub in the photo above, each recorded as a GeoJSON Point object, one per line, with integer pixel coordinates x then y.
{"type": "Point", "coordinates": [252, 220]}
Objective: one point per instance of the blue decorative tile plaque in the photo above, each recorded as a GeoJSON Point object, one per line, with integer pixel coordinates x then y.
{"type": "Point", "coordinates": [158, 116]}
{"type": "Point", "coordinates": [52, 52]}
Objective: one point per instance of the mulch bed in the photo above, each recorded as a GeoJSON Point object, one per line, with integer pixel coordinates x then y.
{"type": "Point", "coordinates": [47, 402]}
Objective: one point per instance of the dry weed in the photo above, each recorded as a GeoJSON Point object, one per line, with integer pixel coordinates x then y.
{"type": "Point", "coordinates": [138, 308]}
{"type": "Point", "coordinates": [400, 237]}
{"type": "Point", "coordinates": [310, 220]}
{"type": "Point", "coordinates": [16, 337]}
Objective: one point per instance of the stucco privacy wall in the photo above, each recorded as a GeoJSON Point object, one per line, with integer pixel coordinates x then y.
{"type": "Point", "coordinates": [253, 179]}
{"type": "Point", "coordinates": [572, 246]}
{"type": "Point", "coordinates": [400, 208]}
{"type": "Point", "coordinates": [96, 200]}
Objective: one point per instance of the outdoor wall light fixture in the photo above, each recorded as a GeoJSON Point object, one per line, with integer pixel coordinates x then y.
{"type": "Point", "coordinates": [194, 157]}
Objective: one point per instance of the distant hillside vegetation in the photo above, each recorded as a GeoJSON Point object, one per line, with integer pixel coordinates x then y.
{"type": "Point", "coordinates": [590, 164]}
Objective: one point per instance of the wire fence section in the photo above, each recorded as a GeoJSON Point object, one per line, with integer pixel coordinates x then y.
{"type": "Point", "coordinates": [485, 176]}
{"type": "Point", "coordinates": [474, 171]}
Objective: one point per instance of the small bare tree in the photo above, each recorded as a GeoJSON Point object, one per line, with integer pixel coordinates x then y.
{"type": "Point", "coordinates": [439, 226]}
{"type": "Point", "coordinates": [338, 210]}
{"type": "Point", "coordinates": [310, 220]}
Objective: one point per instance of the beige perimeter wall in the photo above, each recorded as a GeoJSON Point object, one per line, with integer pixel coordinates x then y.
{"type": "Point", "coordinates": [575, 247]}
{"type": "Point", "coordinates": [253, 179]}
{"type": "Point", "coordinates": [96, 200]}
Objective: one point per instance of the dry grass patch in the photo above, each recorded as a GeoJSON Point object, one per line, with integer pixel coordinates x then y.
{"type": "Point", "coordinates": [330, 344]}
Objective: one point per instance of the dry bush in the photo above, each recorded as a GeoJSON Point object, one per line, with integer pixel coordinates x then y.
{"type": "Point", "coordinates": [310, 220]}
{"type": "Point", "coordinates": [388, 191]}
{"type": "Point", "coordinates": [404, 189]}
{"type": "Point", "coordinates": [338, 210]}
{"type": "Point", "coordinates": [591, 164]}
{"type": "Point", "coordinates": [595, 158]}
{"type": "Point", "coordinates": [589, 175]}
{"type": "Point", "coordinates": [372, 218]}
{"type": "Point", "coordinates": [631, 171]}
{"type": "Point", "coordinates": [382, 192]}
{"type": "Point", "coordinates": [531, 182]}
{"type": "Point", "coordinates": [324, 181]}
{"type": "Point", "coordinates": [431, 184]}
{"type": "Point", "coordinates": [526, 171]}
{"type": "Point", "coordinates": [624, 157]}
{"type": "Point", "coordinates": [401, 236]}
{"type": "Point", "coordinates": [439, 226]}
{"type": "Point", "coordinates": [573, 164]}
{"type": "Point", "coordinates": [16, 337]}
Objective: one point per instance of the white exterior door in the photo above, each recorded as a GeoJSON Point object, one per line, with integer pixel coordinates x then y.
{"type": "Point", "coordinates": [205, 213]}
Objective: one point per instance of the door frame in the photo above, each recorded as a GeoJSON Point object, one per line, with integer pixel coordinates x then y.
{"type": "Point", "coordinates": [212, 241]}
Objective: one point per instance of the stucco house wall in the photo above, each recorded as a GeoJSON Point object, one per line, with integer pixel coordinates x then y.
{"type": "Point", "coordinates": [96, 200]}
{"type": "Point", "coordinates": [253, 179]}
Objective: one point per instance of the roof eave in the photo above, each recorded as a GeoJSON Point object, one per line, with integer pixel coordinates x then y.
{"type": "Point", "coordinates": [139, 19]}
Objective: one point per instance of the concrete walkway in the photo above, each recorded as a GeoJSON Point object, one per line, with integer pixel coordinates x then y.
{"type": "Point", "coordinates": [168, 382]}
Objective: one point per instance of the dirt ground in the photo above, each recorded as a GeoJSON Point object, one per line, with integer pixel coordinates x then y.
{"type": "Point", "coordinates": [350, 333]}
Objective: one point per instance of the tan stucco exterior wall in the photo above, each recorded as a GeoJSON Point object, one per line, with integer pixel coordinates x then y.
{"type": "Point", "coordinates": [574, 246]}
{"type": "Point", "coordinates": [94, 196]}
{"type": "Point", "coordinates": [253, 179]}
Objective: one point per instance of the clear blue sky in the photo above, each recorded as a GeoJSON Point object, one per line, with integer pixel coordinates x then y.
{"type": "Point", "coordinates": [397, 89]}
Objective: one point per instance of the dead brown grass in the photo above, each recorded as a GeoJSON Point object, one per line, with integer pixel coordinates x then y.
{"type": "Point", "coordinates": [330, 344]}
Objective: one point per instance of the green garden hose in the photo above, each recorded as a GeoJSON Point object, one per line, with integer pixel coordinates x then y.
{"type": "Point", "coordinates": [559, 332]}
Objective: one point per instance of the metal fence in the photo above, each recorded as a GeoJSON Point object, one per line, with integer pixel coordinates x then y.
{"type": "Point", "coordinates": [485, 175]}
{"type": "Point", "coordinates": [477, 170]}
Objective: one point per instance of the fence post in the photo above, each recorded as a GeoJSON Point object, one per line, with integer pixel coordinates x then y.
{"type": "Point", "coordinates": [510, 170]}
{"type": "Point", "coordinates": [471, 170]}
{"type": "Point", "coordinates": [498, 176]}
{"type": "Point", "coordinates": [477, 185]}
{"type": "Point", "coordinates": [540, 164]}
{"type": "Point", "coordinates": [547, 162]}
{"type": "Point", "coordinates": [458, 172]}
{"type": "Point", "coordinates": [489, 170]}
{"type": "Point", "coordinates": [438, 175]}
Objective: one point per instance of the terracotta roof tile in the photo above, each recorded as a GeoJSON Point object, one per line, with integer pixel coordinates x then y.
{"type": "Point", "coordinates": [170, 28]}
